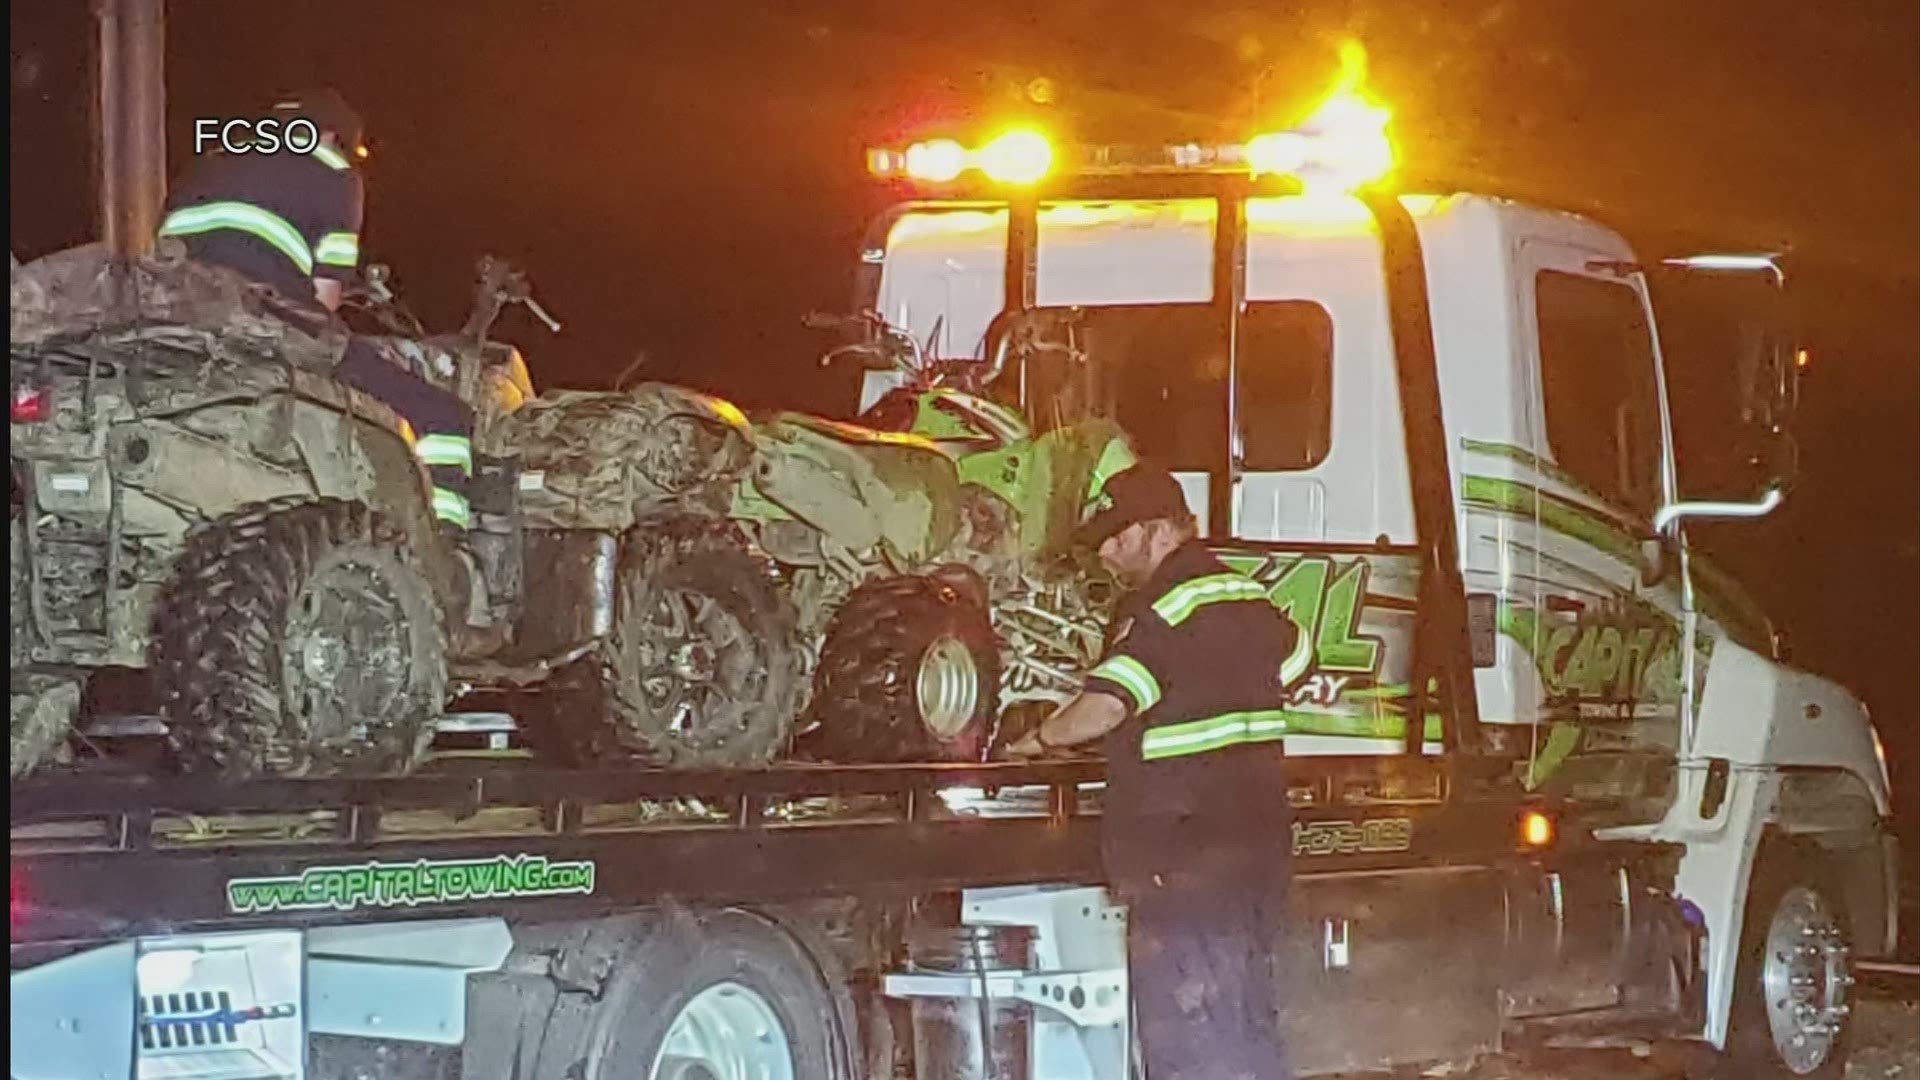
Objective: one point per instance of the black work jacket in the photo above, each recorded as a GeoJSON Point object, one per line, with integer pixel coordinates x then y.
{"type": "Point", "coordinates": [1194, 783]}
{"type": "Point", "coordinates": [281, 219]}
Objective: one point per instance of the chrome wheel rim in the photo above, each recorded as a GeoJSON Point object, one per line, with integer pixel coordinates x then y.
{"type": "Point", "coordinates": [1807, 979]}
{"type": "Point", "coordinates": [947, 688]}
{"type": "Point", "coordinates": [727, 1032]}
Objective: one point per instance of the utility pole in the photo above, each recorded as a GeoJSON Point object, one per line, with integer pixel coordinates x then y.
{"type": "Point", "coordinates": [130, 118]}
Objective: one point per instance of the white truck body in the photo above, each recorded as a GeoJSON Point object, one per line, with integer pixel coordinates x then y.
{"type": "Point", "coordinates": [1686, 660]}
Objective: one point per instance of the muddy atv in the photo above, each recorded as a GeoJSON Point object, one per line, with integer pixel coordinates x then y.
{"type": "Point", "coordinates": [196, 497]}
{"type": "Point", "coordinates": [929, 551]}
{"type": "Point", "coordinates": [608, 576]}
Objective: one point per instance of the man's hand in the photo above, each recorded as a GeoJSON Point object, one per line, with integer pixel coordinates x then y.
{"type": "Point", "coordinates": [1082, 720]}
{"type": "Point", "coordinates": [329, 292]}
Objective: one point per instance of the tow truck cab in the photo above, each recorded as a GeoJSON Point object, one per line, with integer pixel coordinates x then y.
{"type": "Point", "coordinates": [1441, 429]}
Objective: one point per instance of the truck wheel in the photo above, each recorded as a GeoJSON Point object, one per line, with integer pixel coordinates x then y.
{"type": "Point", "coordinates": [732, 996]}
{"type": "Point", "coordinates": [910, 672]}
{"type": "Point", "coordinates": [1793, 988]}
{"type": "Point", "coordinates": [300, 640]}
{"type": "Point", "coordinates": [704, 659]}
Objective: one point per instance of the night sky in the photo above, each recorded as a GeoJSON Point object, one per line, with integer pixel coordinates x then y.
{"type": "Point", "coordinates": [686, 180]}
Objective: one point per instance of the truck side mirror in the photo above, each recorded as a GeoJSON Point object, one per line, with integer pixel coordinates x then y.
{"type": "Point", "coordinates": [1767, 363]}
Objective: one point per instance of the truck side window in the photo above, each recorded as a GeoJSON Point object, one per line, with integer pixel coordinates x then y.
{"type": "Point", "coordinates": [1160, 371]}
{"type": "Point", "coordinates": [1597, 376]}
{"type": "Point", "coordinates": [1286, 385]}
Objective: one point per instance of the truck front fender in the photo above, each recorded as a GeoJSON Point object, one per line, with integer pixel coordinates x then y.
{"type": "Point", "coordinates": [1759, 713]}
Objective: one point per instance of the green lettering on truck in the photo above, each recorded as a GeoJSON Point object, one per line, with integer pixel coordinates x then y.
{"type": "Point", "coordinates": [374, 884]}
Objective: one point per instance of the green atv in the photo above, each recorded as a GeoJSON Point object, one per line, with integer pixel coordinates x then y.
{"type": "Point", "coordinates": [929, 552]}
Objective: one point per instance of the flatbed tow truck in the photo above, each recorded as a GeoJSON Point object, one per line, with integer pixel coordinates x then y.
{"type": "Point", "coordinates": [381, 898]}
{"type": "Point", "coordinates": [1619, 820]}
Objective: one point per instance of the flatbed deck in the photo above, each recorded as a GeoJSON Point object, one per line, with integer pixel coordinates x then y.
{"type": "Point", "coordinates": [103, 857]}
{"type": "Point", "coordinates": [107, 857]}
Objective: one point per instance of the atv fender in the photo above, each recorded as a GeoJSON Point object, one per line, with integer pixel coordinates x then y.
{"type": "Point", "coordinates": [864, 489]}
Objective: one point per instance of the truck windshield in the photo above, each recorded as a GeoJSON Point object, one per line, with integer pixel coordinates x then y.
{"type": "Point", "coordinates": [1160, 370]}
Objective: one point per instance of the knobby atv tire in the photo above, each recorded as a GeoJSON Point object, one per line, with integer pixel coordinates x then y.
{"type": "Point", "coordinates": [41, 705]}
{"type": "Point", "coordinates": [756, 668]}
{"type": "Point", "coordinates": [220, 644]}
{"type": "Point", "coordinates": [867, 700]}
{"type": "Point", "coordinates": [19, 601]}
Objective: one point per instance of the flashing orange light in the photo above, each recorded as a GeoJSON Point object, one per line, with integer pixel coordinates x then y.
{"type": "Point", "coordinates": [1020, 156]}
{"type": "Point", "coordinates": [1017, 157]}
{"type": "Point", "coordinates": [1801, 358]}
{"type": "Point", "coordinates": [1536, 829]}
{"type": "Point", "coordinates": [1277, 153]}
{"type": "Point", "coordinates": [1342, 145]}
{"type": "Point", "coordinates": [939, 160]}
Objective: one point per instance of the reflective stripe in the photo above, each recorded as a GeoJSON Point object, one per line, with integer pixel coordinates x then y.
{"type": "Point", "coordinates": [1116, 458]}
{"type": "Point", "coordinates": [335, 159]}
{"type": "Point", "coordinates": [1213, 733]}
{"type": "Point", "coordinates": [1133, 677]}
{"type": "Point", "coordinates": [246, 218]}
{"type": "Point", "coordinates": [451, 506]}
{"type": "Point", "coordinates": [1181, 601]}
{"type": "Point", "coordinates": [338, 249]}
{"type": "Point", "coordinates": [453, 450]}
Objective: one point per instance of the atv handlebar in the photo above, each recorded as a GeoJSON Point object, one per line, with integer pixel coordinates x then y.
{"type": "Point", "coordinates": [499, 286]}
{"type": "Point", "coordinates": [540, 313]}
{"type": "Point", "coordinates": [877, 344]}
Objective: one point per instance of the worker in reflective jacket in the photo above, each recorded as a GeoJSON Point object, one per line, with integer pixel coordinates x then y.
{"type": "Point", "coordinates": [1195, 817]}
{"type": "Point", "coordinates": [289, 218]}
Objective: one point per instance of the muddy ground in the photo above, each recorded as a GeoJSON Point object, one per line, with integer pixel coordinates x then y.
{"type": "Point", "coordinates": [1888, 1041]}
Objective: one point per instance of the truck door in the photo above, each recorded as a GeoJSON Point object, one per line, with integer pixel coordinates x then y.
{"type": "Point", "coordinates": [1320, 503]}
{"type": "Point", "coordinates": [1607, 646]}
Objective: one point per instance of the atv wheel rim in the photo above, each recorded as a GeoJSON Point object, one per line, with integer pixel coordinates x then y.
{"type": "Point", "coordinates": [347, 654]}
{"type": "Point", "coordinates": [1807, 978]}
{"type": "Point", "coordinates": [948, 687]}
{"type": "Point", "coordinates": [699, 669]}
{"type": "Point", "coordinates": [727, 1032]}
